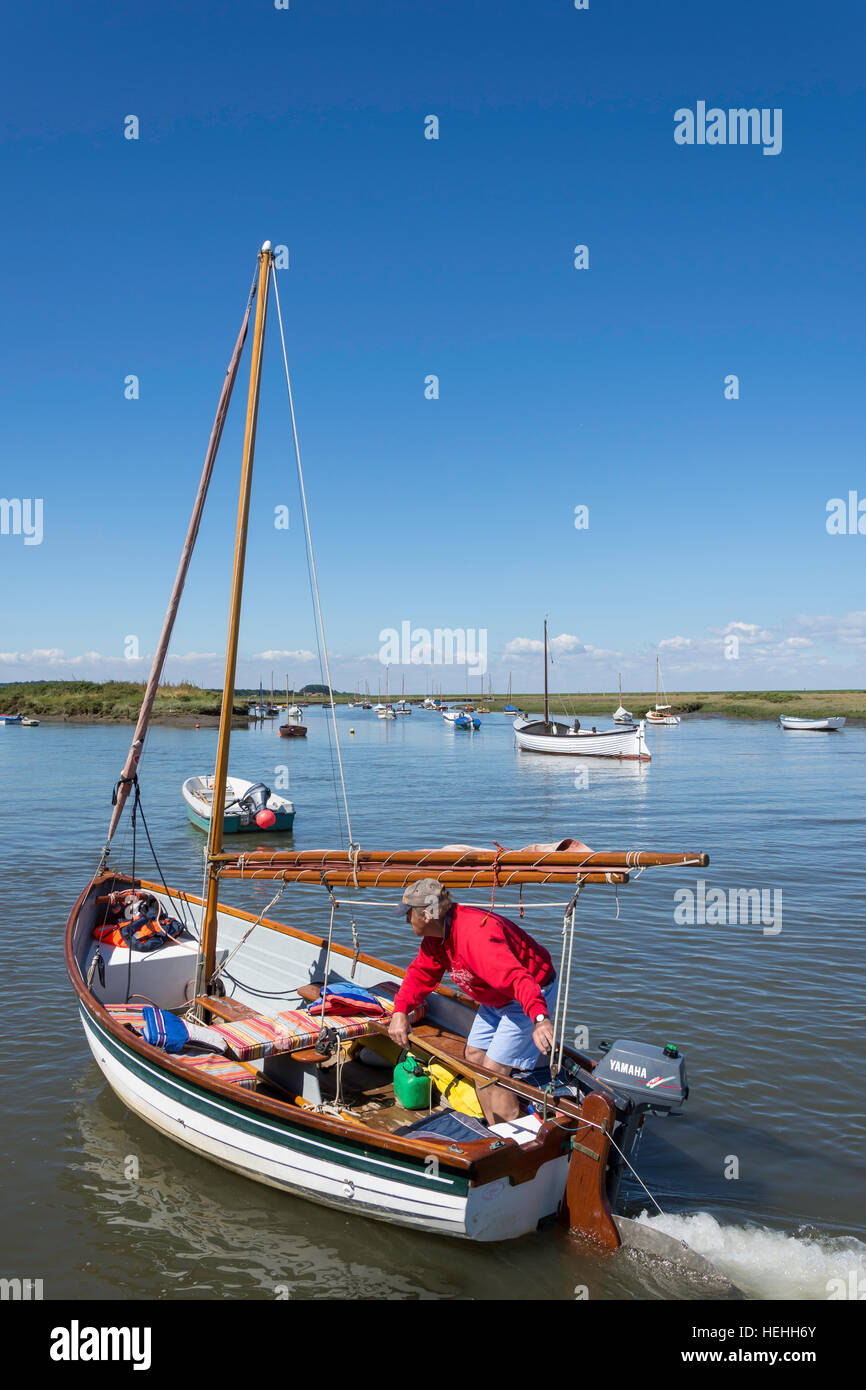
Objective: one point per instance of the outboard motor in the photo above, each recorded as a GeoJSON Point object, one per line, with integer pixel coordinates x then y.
{"type": "Point", "coordinates": [643, 1079]}
{"type": "Point", "coordinates": [254, 806]}
{"type": "Point", "coordinates": [649, 1076]}
{"type": "Point", "coordinates": [639, 1078]}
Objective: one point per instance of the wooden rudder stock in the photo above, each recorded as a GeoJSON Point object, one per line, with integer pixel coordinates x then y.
{"type": "Point", "coordinates": [585, 1209]}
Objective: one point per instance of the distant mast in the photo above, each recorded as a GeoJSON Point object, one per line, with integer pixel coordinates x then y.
{"type": "Point", "coordinates": [546, 703]}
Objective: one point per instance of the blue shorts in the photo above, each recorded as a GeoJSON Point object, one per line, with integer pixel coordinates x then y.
{"type": "Point", "coordinates": [506, 1034]}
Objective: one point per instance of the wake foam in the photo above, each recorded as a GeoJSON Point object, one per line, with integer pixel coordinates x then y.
{"type": "Point", "coordinates": [769, 1264]}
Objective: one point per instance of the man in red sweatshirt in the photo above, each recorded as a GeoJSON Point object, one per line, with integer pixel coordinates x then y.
{"type": "Point", "coordinates": [497, 964]}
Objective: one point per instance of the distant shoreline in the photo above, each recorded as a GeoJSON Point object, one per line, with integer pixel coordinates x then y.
{"type": "Point", "coordinates": [114, 702]}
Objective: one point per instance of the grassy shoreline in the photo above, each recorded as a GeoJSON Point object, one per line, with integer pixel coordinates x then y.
{"type": "Point", "coordinates": [113, 702]}
{"type": "Point", "coordinates": [117, 702]}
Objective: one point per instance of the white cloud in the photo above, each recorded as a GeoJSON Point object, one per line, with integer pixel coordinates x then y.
{"type": "Point", "coordinates": [300, 655]}
{"type": "Point", "coordinates": [563, 645]}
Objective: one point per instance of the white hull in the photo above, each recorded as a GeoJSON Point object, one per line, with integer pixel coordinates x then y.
{"type": "Point", "coordinates": [312, 1163]}
{"type": "Point", "coordinates": [266, 1160]}
{"type": "Point", "coordinates": [623, 716]}
{"type": "Point", "coordinates": [613, 743]}
{"type": "Point", "coordinates": [789, 722]}
{"type": "Point", "coordinates": [662, 715]}
{"type": "Point", "coordinates": [198, 794]}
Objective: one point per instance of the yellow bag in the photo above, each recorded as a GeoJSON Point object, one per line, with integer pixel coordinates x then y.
{"type": "Point", "coordinates": [458, 1092]}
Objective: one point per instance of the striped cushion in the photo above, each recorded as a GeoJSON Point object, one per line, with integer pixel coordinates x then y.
{"type": "Point", "coordinates": [221, 1069]}
{"type": "Point", "coordinates": [290, 1031]}
{"type": "Point", "coordinates": [128, 1015]}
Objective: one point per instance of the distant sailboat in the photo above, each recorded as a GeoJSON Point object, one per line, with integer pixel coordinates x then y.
{"type": "Point", "coordinates": [509, 708]}
{"type": "Point", "coordinates": [546, 736]}
{"type": "Point", "coordinates": [386, 711]}
{"type": "Point", "coordinates": [662, 714]}
{"type": "Point", "coordinates": [622, 715]}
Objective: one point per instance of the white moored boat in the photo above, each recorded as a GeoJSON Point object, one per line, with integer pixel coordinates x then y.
{"type": "Point", "coordinates": [813, 726]}
{"type": "Point", "coordinates": [662, 714]}
{"type": "Point", "coordinates": [547, 736]}
{"type": "Point", "coordinates": [622, 715]}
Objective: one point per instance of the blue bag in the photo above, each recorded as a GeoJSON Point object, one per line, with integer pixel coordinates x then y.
{"type": "Point", "coordinates": [164, 1030]}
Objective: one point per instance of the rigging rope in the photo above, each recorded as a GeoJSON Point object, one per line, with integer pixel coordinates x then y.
{"type": "Point", "coordinates": [321, 621]}
{"type": "Point", "coordinates": [233, 952]}
{"type": "Point", "coordinates": [561, 1012]}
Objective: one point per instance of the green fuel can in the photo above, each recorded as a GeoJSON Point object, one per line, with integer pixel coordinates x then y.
{"type": "Point", "coordinates": [411, 1084]}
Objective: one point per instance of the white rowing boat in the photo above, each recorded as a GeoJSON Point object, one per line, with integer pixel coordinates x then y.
{"type": "Point", "coordinates": [812, 726]}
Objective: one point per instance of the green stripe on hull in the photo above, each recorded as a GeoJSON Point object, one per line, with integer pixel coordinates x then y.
{"type": "Point", "coordinates": [232, 824]}
{"type": "Point", "coordinates": [324, 1148]}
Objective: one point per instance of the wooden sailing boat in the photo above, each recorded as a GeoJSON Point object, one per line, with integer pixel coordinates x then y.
{"type": "Point", "coordinates": [252, 1091]}
{"type": "Point", "coordinates": [663, 713]}
{"type": "Point", "coordinates": [547, 736]}
{"type": "Point", "coordinates": [293, 728]}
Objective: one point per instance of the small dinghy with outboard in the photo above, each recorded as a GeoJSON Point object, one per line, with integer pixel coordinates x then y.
{"type": "Point", "coordinates": [249, 805]}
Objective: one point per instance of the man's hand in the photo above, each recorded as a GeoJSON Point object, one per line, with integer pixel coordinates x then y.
{"type": "Point", "coordinates": [398, 1029]}
{"type": "Point", "coordinates": [542, 1036]}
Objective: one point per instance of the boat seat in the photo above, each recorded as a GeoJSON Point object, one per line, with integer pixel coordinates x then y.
{"type": "Point", "coordinates": [251, 1036]}
{"type": "Point", "coordinates": [296, 1030]}
{"type": "Point", "coordinates": [211, 1064]}
{"type": "Point", "coordinates": [222, 1069]}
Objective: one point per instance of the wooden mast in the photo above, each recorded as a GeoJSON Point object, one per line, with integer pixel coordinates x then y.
{"type": "Point", "coordinates": [546, 705]}
{"type": "Point", "coordinates": [207, 953]}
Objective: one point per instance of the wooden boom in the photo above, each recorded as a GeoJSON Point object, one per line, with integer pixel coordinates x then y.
{"type": "Point", "coordinates": [600, 859]}
{"type": "Point", "coordinates": [453, 867]}
{"type": "Point", "coordinates": [344, 877]}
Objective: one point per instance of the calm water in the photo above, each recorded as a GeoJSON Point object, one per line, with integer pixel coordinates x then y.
{"type": "Point", "coordinates": [771, 1020]}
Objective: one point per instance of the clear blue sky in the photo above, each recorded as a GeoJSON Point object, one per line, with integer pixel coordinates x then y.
{"type": "Point", "coordinates": [558, 387]}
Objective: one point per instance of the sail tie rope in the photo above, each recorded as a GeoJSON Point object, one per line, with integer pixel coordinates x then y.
{"type": "Point", "coordinates": [496, 860]}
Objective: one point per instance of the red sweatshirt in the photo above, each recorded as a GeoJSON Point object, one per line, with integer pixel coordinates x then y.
{"type": "Point", "coordinates": [491, 959]}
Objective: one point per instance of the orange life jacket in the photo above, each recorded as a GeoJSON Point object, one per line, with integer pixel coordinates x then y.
{"type": "Point", "coordinates": [137, 932]}
{"type": "Point", "coordinates": [146, 932]}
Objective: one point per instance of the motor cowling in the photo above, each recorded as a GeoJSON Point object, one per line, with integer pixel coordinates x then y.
{"type": "Point", "coordinates": [646, 1074]}
{"type": "Point", "coordinates": [254, 806]}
